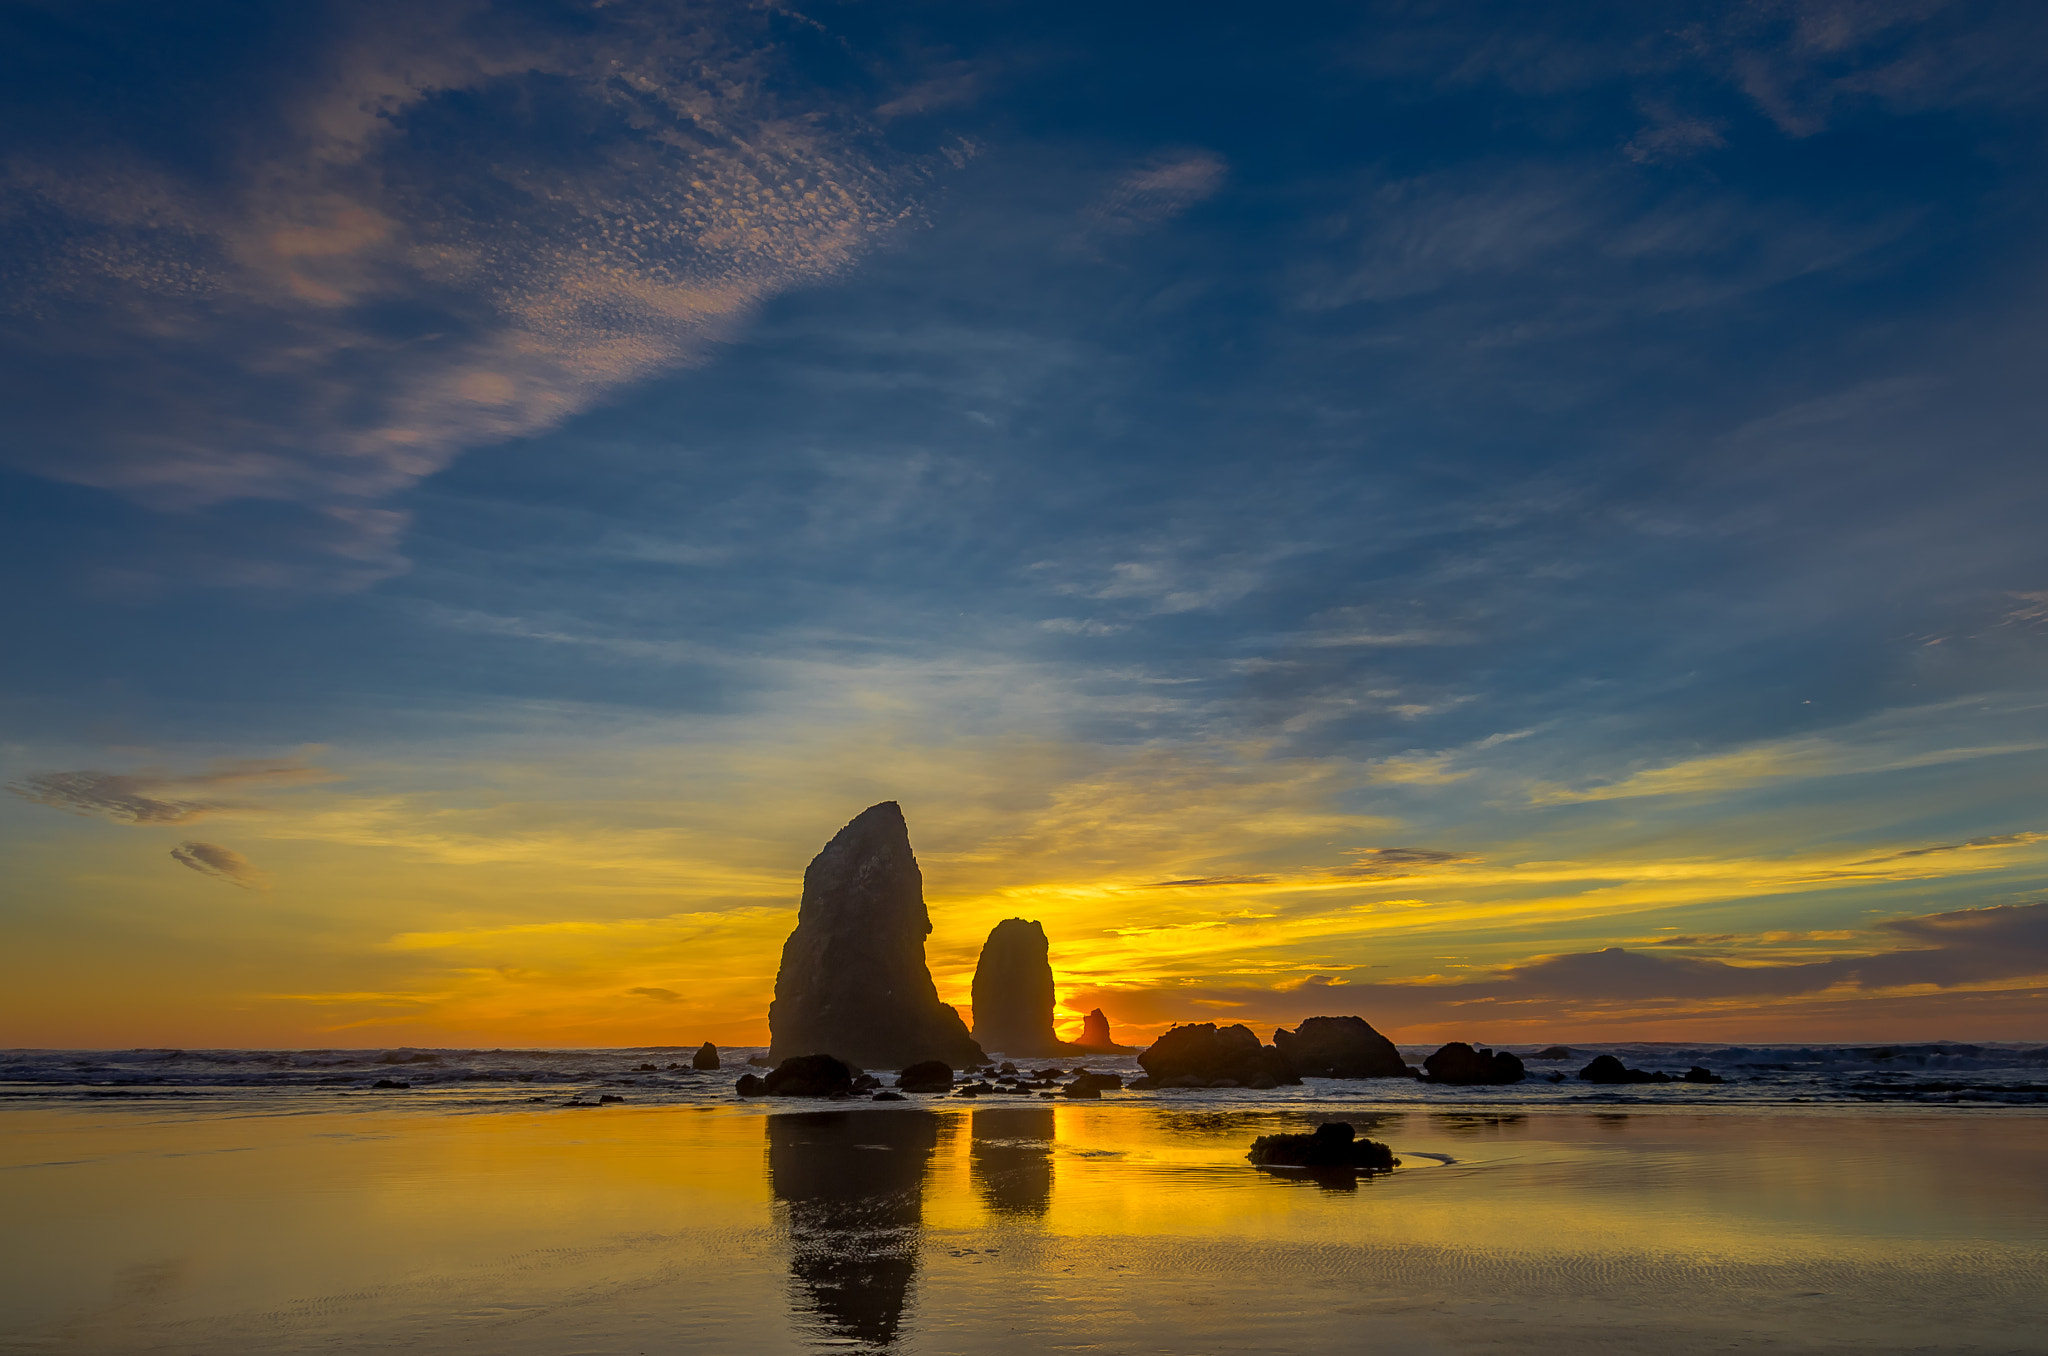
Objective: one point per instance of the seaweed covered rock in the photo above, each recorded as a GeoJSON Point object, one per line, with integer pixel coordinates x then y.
{"type": "Point", "coordinates": [1608, 1069]}
{"type": "Point", "coordinates": [933, 1075]}
{"type": "Point", "coordinates": [1202, 1055]}
{"type": "Point", "coordinates": [1341, 1047]}
{"type": "Point", "coordinates": [810, 1076]}
{"type": "Point", "coordinates": [1333, 1145]}
{"type": "Point", "coordinates": [706, 1057]}
{"type": "Point", "coordinates": [853, 980]}
{"type": "Point", "coordinates": [1458, 1062]}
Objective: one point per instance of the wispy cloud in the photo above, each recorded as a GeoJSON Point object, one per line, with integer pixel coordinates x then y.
{"type": "Point", "coordinates": [157, 796]}
{"type": "Point", "coordinates": [211, 859]}
{"type": "Point", "coordinates": [1151, 196]}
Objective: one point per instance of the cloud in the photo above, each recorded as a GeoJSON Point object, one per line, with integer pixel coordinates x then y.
{"type": "Point", "coordinates": [1994, 840]}
{"type": "Point", "coordinates": [658, 995]}
{"type": "Point", "coordinates": [154, 796]}
{"type": "Point", "coordinates": [1154, 195]}
{"type": "Point", "coordinates": [1395, 863]}
{"type": "Point", "coordinates": [1201, 882]}
{"type": "Point", "coordinates": [211, 859]}
{"type": "Point", "coordinates": [457, 226]}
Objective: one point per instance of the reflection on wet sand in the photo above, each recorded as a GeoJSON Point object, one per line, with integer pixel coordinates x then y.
{"type": "Point", "coordinates": [1011, 1158]}
{"type": "Point", "coordinates": [853, 1185]}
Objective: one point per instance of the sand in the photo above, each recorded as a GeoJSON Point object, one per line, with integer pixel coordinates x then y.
{"type": "Point", "coordinates": [949, 1228]}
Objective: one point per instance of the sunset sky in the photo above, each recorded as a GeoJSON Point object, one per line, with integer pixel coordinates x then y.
{"type": "Point", "coordinates": [1520, 522]}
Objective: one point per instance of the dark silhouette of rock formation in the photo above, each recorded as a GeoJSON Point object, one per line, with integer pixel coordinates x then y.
{"type": "Point", "coordinates": [1095, 1037]}
{"type": "Point", "coordinates": [1696, 1074]}
{"type": "Point", "coordinates": [1553, 1052]}
{"type": "Point", "coordinates": [1608, 1069]}
{"type": "Point", "coordinates": [809, 1076]}
{"type": "Point", "coordinates": [853, 980]}
{"type": "Point", "coordinates": [933, 1075]}
{"type": "Point", "coordinates": [1341, 1047]}
{"type": "Point", "coordinates": [1010, 1158]}
{"type": "Point", "coordinates": [1460, 1063]}
{"type": "Point", "coordinates": [706, 1057]}
{"type": "Point", "coordinates": [1013, 992]}
{"type": "Point", "coordinates": [1201, 1056]}
{"type": "Point", "coordinates": [854, 1215]}
{"type": "Point", "coordinates": [1333, 1145]}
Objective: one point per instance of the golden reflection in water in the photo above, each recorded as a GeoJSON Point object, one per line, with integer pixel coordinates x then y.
{"type": "Point", "coordinates": [999, 1231]}
{"type": "Point", "coordinates": [852, 1185]}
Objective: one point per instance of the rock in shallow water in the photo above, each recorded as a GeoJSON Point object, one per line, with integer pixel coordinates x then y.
{"type": "Point", "coordinates": [1608, 1069]}
{"type": "Point", "coordinates": [1459, 1063]}
{"type": "Point", "coordinates": [1202, 1055]}
{"type": "Point", "coordinates": [1341, 1047]}
{"type": "Point", "coordinates": [1333, 1145]}
{"type": "Point", "coordinates": [1013, 991]}
{"type": "Point", "coordinates": [853, 979]}
{"type": "Point", "coordinates": [706, 1057]}
{"type": "Point", "coordinates": [809, 1076]}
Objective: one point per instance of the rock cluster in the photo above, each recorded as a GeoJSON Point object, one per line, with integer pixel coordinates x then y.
{"type": "Point", "coordinates": [1333, 1145]}
{"type": "Point", "coordinates": [1340, 1047]}
{"type": "Point", "coordinates": [1609, 1070]}
{"type": "Point", "coordinates": [853, 980]}
{"type": "Point", "coordinates": [1458, 1062]}
{"type": "Point", "coordinates": [1202, 1056]}
{"type": "Point", "coordinates": [1013, 992]}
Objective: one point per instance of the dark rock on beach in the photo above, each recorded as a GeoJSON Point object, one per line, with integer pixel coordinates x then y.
{"type": "Point", "coordinates": [1698, 1075]}
{"type": "Point", "coordinates": [1333, 1145]}
{"type": "Point", "coordinates": [1341, 1047]}
{"type": "Point", "coordinates": [706, 1057]}
{"type": "Point", "coordinates": [933, 1075]}
{"type": "Point", "coordinates": [1201, 1055]}
{"type": "Point", "coordinates": [809, 1076]}
{"type": "Point", "coordinates": [1458, 1062]}
{"type": "Point", "coordinates": [853, 979]}
{"type": "Point", "coordinates": [1013, 991]}
{"type": "Point", "coordinates": [389, 1083]}
{"type": "Point", "coordinates": [750, 1085]}
{"type": "Point", "coordinates": [1092, 1085]}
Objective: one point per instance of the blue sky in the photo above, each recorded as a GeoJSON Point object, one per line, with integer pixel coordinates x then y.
{"type": "Point", "coordinates": [612, 445]}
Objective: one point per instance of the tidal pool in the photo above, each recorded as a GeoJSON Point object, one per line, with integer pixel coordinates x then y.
{"type": "Point", "coordinates": [944, 1228]}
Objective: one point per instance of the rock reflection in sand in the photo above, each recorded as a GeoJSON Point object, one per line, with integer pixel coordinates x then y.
{"type": "Point", "coordinates": [1011, 1158]}
{"type": "Point", "coordinates": [852, 1190]}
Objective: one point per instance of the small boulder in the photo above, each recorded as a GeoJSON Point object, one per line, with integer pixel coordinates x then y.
{"type": "Point", "coordinates": [609, 1097]}
{"type": "Point", "coordinates": [1333, 1145]}
{"type": "Point", "coordinates": [706, 1057]}
{"type": "Point", "coordinates": [1459, 1063]}
{"type": "Point", "coordinates": [750, 1085]}
{"type": "Point", "coordinates": [1698, 1075]}
{"type": "Point", "coordinates": [809, 1076]}
{"type": "Point", "coordinates": [760, 1061]}
{"type": "Point", "coordinates": [933, 1075]}
{"type": "Point", "coordinates": [389, 1083]}
{"type": "Point", "coordinates": [888, 1097]}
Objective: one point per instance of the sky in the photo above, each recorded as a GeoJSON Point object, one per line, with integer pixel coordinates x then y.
{"type": "Point", "coordinates": [1521, 523]}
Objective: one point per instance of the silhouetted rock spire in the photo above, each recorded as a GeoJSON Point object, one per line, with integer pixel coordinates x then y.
{"type": "Point", "coordinates": [1095, 1035]}
{"type": "Point", "coordinates": [1013, 992]}
{"type": "Point", "coordinates": [853, 981]}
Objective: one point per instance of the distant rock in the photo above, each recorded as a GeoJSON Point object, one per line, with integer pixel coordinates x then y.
{"type": "Point", "coordinates": [1092, 1085]}
{"type": "Point", "coordinates": [389, 1083]}
{"type": "Point", "coordinates": [1341, 1047]}
{"type": "Point", "coordinates": [1333, 1145]}
{"type": "Point", "coordinates": [933, 1075]}
{"type": "Point", "coordinates": [1095, 1037]}
{"type": "Point", "coordinates": [1013, 992]}
{"type": "Point", "coordinates": [760, 1061]}
{"type": "Point", "coordinates": [750, 1085]}
{"type": "Point", "coordinates": [1608, 1069]}
{"type": "Point", "coordinates": [853, 979]}
{"type": "Point", "coordinates": [1200, 1055]}
{"type": "Point", "coordinates": [810, 1076]}
{"type": "Point", "coordinates": [1553, 1052]}
{"type": "Point", "coordinates": [706, 1057]}
{"type": "Point", "coordinates": [1698, 1075]}
{"type": "Point", "coordinates": [887, 1097]}
{"type": "Point", "coordinates": [1458, 1062]}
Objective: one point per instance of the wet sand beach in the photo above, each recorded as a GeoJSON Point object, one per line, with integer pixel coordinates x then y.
{"type": "Point", "coordinates": [947, 1227]}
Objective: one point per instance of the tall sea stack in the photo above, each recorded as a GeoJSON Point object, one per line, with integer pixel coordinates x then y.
{"type": "Point", "coordinates": [853, 981]}
{"type": "Point", "coordinates": [1013, 992]}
